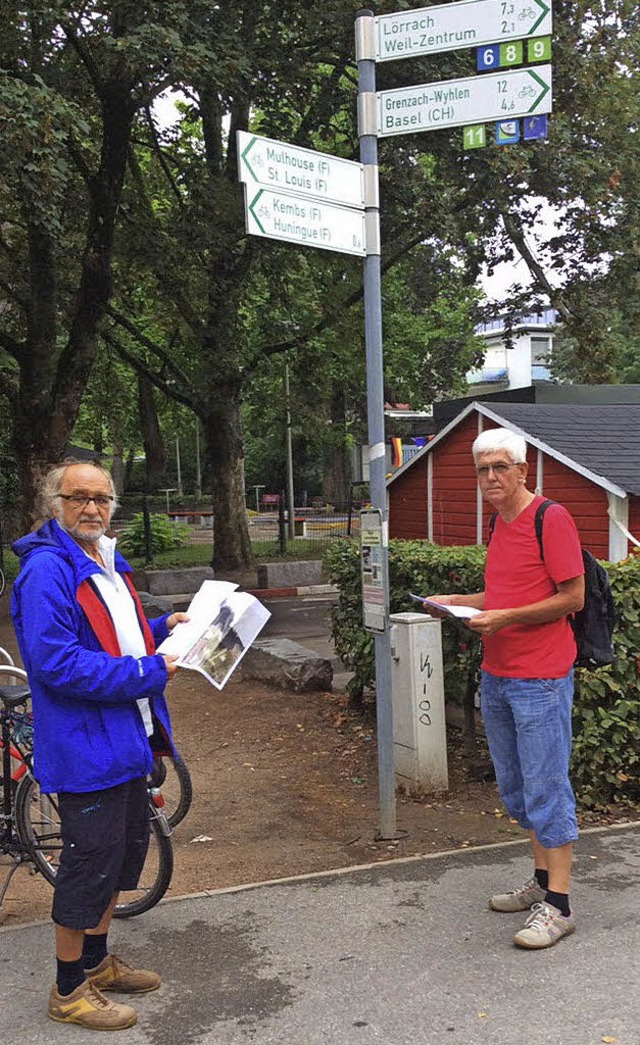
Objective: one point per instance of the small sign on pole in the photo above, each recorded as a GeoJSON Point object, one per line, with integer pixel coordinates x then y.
{"type": "Point", "coordinates": [534, 127]}
{"type": "Point", "coordinates": [310, 223]}
{"type": "Point", "coordinates": [507, 132]}
{"type": "Point", "coordinates": [371, 545]}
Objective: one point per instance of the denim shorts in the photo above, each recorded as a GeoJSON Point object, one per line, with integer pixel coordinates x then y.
{"type": "Point", "coordinates": [528, 728]}
{"type": "Point", "coordinates": [105, 837]}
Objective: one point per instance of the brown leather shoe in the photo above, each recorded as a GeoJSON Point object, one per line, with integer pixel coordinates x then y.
{"type": "Point", "coordinates": [89, 1008]}
{"type": "Point", "coordinates": [112, 974]}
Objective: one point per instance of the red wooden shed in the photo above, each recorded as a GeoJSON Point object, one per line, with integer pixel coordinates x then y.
{"type": "Point", "coordinates": [585, 457]}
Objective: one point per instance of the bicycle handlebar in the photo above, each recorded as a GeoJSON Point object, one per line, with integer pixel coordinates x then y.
{"type": "Point", "coordinates": [6, 656]}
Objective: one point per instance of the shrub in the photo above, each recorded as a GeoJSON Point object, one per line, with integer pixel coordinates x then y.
{"type": "Point", "coordinates": [606, 714]}
{"type": "Point", "coordinates": [413, 566]}
{"type": "Point", "coordinates": [165, 536]}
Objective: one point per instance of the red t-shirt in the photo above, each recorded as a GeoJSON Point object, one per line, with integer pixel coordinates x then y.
{"type": "Point", "coordinates": [515, 575]}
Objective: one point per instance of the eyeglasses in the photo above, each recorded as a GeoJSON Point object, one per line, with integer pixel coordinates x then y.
{"type": "Point", "coordinates": [497, 469]}
{"type": "Point", "coordinates": [80, 500]}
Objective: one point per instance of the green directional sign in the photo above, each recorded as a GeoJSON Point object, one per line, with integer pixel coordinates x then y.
{"type": "Point", "coordinates": [310, 223]}
{"type": "Point", "coordinates": [451, 27]}
{"type": "Point", "coordinates": [456, 103]}
{"type": "Point", "coordinates": [288, 168]}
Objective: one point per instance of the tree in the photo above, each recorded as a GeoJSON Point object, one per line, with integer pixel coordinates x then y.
{"type": "Point", "coordinates": [227, 304]}
{"type": "Point", "coordinates": [72, 77]}
{"type": "Point", "coordinates": [588, 172]}
{"type": "Point", "coordinates": [200, 307]}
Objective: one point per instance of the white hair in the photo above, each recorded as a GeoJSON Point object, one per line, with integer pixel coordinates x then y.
{"type": "Point", "coordinates": [50, 488]}
{"type": "Point", "coordinates": [493, 439]}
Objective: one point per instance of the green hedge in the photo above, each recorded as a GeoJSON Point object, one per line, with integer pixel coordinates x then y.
{"type": "Point", "coordinates": [606, 717]}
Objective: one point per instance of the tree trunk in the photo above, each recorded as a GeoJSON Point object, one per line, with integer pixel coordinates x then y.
{"type": "Point", "coordinates": [52, 382]}
{"type": "Point", "coordinates": [336, 482]}
{"type": "Point", "coordinates": [223, 437]}
{"type": "Point", "coordinates": [32, 471]}
{"type": "Point", "coordinates": [117, 468]}
{"type": "Point", "coordinates": [151, 434]}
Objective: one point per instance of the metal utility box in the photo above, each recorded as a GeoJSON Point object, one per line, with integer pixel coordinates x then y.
{"type": "Point", "coordinates": [419, 728]}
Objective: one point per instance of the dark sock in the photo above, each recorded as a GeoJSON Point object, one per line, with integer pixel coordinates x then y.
{"type": "Point", "coordinates": [542, 877]}
{"type": "Point", "coordinates": [559, 900]}
{"type": "Point", "coordinates": [69, 976]}
{"type": "Point", "coordinates": [94, 949]}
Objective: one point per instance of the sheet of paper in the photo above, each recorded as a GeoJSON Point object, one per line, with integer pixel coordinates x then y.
{"type": "Point", "coordinates": [220, 648]}
{"type": "Point", "coordinates": [462, 612]}
{"type": "Point", "coordinates": [203, 608]}
{"type": "Point", "coordinates": [222, 625]}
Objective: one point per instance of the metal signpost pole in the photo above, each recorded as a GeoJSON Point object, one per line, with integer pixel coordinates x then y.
{"type": "Point", "coordinates": [367, 128]}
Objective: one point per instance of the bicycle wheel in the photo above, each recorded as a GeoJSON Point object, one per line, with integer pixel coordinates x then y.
{"type": "Point", "coordinates": [174, 780]}
{"type": "Point", "coordinates": [155, 877]}
{"type": "Point", "coordinates": [38, 826]}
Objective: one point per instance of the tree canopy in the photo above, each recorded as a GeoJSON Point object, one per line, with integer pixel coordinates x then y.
{"type": "Point", "coordinates": [115, 227]}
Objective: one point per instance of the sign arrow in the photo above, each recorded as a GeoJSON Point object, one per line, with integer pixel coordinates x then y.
{"type": "Point", "coordinates": [546, 87]}
{"type": "Point", "coordinates": [544, 11]}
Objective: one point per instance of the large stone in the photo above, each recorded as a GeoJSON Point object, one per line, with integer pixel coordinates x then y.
{"type": "Point", "coordinates": [154, 605]}
{"type": "Point", "coordinates": [172, 582]}
{"type": "Point", "coordinates": [290, 574]}
{"type": "Point", "coordinates": [288, 665]}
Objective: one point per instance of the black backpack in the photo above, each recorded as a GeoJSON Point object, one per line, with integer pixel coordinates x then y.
{"type": "Point", "coordinates": [593, 624]}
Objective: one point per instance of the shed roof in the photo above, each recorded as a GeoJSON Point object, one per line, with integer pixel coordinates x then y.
{"type": "Point", "coordinates": [601, 442]}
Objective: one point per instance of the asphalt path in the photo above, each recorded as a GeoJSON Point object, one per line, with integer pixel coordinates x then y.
{"type": "Point", "coordinates": [400, 953]}
{"type": "Point", "coordinates": [299, 617]}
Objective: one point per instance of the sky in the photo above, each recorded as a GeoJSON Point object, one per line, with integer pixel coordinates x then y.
{"type": "Point", "coordinates": [496, 286]}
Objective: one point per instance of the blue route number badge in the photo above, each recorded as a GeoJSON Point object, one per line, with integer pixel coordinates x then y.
{"type": "Point", "coordinates": [534, 127]}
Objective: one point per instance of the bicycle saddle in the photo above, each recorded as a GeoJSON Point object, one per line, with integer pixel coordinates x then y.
{"type": "Point", "coordinates": [11, 696]}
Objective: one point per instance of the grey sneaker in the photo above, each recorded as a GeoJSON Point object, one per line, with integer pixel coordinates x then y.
{"type": "Point", "coordinates": [520, 899]}
{"type": "Point", "coordinates": [544, 927]}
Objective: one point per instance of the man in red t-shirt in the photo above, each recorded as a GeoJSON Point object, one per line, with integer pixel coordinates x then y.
{"type": "Point", "coordinates": [527, 677]}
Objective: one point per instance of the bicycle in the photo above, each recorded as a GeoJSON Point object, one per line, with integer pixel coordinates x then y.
{"type": "Point", "coordinates": [30, 820]}
{"type": "Point", "coordinates": [2, 582]}
{"type": "Point", "coordinates": [173, 777]}
{"type": "Point", "coordinates": [169, 774]}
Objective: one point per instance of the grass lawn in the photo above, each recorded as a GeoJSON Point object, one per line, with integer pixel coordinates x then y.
{"type": "Point", "coordinates": [200, 554]}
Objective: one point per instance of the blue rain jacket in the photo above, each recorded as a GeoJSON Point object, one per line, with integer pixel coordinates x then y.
{"type": "Point", "coordinates": [88, 731]}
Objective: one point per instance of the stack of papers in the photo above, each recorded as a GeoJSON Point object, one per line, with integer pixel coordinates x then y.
{"type": "Point", "coordinates": [462, 612]}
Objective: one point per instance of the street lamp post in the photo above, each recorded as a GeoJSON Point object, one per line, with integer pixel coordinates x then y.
{"type": "Point", "coordinates": [166, 492]}
{"type": "Point", "coordinates": [257, 489]}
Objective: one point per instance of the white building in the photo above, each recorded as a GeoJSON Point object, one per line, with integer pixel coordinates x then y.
{"type": "Point", "coordinates": [524, 364]}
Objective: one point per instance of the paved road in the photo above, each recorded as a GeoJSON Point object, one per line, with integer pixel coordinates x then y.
{"type": "Point", "coordinates": [403, 953]}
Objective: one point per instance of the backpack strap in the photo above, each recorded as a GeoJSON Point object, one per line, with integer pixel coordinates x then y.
{"type": "Point", "coordinates": [541, 509]}
{"type": "Point", "coordinates": [492, 526]}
